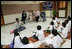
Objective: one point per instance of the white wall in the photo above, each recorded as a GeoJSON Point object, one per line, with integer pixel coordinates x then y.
{"type": "Point", "coordinates": [11, 18]}
{"type": "Point", "coordinates": [21, 2]}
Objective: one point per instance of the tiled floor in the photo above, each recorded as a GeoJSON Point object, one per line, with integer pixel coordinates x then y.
{"type": "Point", "coordinates": [6, 37]}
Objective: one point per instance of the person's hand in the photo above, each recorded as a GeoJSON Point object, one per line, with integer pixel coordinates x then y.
{"type": "Point", "coordinates": [59, 23]}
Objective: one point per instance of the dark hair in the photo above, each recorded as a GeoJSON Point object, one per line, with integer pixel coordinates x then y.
{"type": "Point", "coordinates": [51, 23]}
{"type": "Point", "coordinates": [16, 34]}
{"type": "Point", "coordinates": [55, 32]}
{"type": "Point", "coordinates": [54, 15]}
{"type": "Point", "coordinates": [64, 24]}
{"type": "Point", "coordinates": [39, 27]}
{"type": "Point", "coordinates": [53, 18]}
{"type": "Point", "coordinates": [69, 18]}
{"type": "Point", "coordinates": [66, 21]}
{"type": "Point", "coordinates": [23, 11]}
{"type": "Point", "coordinates": [17, 19]}
{"type": "Point", "coordinates": [25, 40]}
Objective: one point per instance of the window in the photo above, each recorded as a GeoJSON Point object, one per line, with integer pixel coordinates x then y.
{"type": "Point", "coordinates": [62, 4]}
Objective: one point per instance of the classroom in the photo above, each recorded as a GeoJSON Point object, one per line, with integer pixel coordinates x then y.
{"type": "Point", "coordinates": [35, 24]}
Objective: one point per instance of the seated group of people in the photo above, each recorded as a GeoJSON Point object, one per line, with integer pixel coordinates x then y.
{"type": "Point", "coordinates": [58, 32]}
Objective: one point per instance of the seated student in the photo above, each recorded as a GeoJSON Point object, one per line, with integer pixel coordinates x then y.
{"type": "Point", "coordinates": [56, 40]}
{"type": "Point", "coordinates": [17, 41]}
{"type": "Point", "coordinates": [18, 25]}
{"type": "Point", "coordinates": [26, 43]}
{"type": "Point", "coordinates": [69, 18]}
{"type": "Point", "coordinates": [39, 34]}
{"type": "Point", "coordinates": [64, 32]}
{"type": "Point", "coordinates": [67, 28]}
{"type": "Point", "coordinates": [56, 18]}
{"type": "Point", "coordinates": [66, 21]}
{"type": "Point", "coordinates": [55, 23]}
{"type": "Point", "coordinates": [69, 23]}
{"type": "Point", "coordinates": [50, 27]}
{"type": "Point", "coordinates": [60, 28]}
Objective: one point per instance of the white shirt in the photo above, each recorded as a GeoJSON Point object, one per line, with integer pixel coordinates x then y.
{"type": "Point", "coordinates": [37, 14]}
{"type": "Point", "coordinates": [28, 46]}
{"type": "Point", "coordinates": [50, 27]}
{"type": "Point", "coordinates": [40, 34]}
{"type": "Point", "coordinates": [56, 41]}
{"type": "Point", "coordinates": [60, 28]}
{"type": "Point", "coordinates": [69, 25]}
{"type": "Point", "coordinates": [64, 32]}
{"type": "Point", "coordinates": [17, 25]}
{"type": "Point", "coordinates": [30, 15]}
{"type": "Point", "coordinates": [48, 41]}
{"type": "Point", "coordinates": [55, 23]}
{"type": "Point", "coordinates": [17, 42]}
{"type": "Point", "coordinates": [27, 15]}
{"type": "Point", "coordinates": [56, 19]}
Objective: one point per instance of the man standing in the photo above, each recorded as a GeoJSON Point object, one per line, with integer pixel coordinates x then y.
{"type": "Point", "coordinates": [43, 16]}
{"type": "Point", "coordinates": [24, 15]}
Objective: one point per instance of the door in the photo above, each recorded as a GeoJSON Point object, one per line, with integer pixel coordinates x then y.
{"type": "Point", "coordinates": [2, 19]}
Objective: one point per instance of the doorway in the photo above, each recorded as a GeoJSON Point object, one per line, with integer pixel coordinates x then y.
{"type": "Point", "coordinates": [2, 19]}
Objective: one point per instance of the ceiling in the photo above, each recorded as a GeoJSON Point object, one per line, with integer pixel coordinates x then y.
{"type": "Point", "coordinates": [21, 2]}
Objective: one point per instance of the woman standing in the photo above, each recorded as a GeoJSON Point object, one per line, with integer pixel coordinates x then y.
{"type": "Point", "coordinates": [37, 16]}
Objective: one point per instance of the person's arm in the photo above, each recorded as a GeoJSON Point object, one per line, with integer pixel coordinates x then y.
{"type": "Point", "coordinates": [21, 23]}
{"type": "Point", "coordinates": [25, 14]}
{"type": "Point", "coordinates": [22, 17]}
{"type": "Point", "coordinates": [34, 32]}
{"type": "Point", "coordinates": [20, 38]}
{"type": "Point", "coordinates": [16, 25]}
